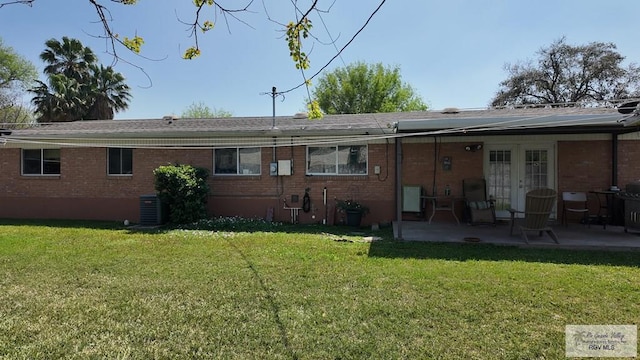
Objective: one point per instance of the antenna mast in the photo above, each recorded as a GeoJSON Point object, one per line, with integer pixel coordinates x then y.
{"type": "Point", "coordinates": [273, 100]}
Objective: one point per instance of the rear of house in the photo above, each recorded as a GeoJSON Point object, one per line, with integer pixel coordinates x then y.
{"type": "Point", "coordinates": [263, 167]}
{"type": "Point", "coordinates": [100, 169]}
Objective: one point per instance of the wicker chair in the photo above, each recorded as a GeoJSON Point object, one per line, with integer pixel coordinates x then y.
{"type": "Point", "coordinates": [537, 208]}
{"type": "Point", "coordinates": [479, 209]}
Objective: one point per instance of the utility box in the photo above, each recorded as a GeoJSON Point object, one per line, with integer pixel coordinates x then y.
{"type": "Point", "coordinates": [412, 198]}
{"type": "Point", "coordinates": [152, 212]}
{"type": "Point", "coordinates": [284, 167]}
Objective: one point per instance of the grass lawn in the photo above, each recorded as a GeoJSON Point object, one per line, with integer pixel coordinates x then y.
{"type": "Point", "coordinates": [96, 290]}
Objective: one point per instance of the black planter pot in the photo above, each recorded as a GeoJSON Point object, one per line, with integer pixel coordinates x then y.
{"type": "Point", "coordinates": [354, 218]}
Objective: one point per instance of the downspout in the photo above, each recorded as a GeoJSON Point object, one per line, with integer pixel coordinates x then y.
{"type": "Point", "coordinates": [399, 187]}
{"type": "Point", "coordinates": [614, 159]}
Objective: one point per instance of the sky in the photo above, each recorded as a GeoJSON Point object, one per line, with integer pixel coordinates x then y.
{"type": "Point", "coordinates": [453, 53]}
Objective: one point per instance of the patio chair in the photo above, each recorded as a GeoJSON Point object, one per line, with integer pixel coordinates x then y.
{"type": "Point", "coordinates": [575, 203]}
{"type": "Point", "coordinates": [537, 209]}
{"type": "Point", "coordinates": [478, 209]}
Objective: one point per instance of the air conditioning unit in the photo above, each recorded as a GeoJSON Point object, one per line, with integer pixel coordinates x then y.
{"type": "Point", "coordinates": [151, 211]}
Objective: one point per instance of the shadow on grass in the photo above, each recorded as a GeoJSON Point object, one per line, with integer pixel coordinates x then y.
{"type": "Point", "coordinates": [385, 233]}
{"type": "Point", "coordinates": [386, 248]}
{"type": "Point", "coordinates": [251, 227]}
{"type": "Point", "coordinates": [488, 252]}
{"type": "Point", "coordinates": [82, 224]}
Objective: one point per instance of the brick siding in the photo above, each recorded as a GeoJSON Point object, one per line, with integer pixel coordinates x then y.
{"type": "Point", "coordinates": [84, 190]}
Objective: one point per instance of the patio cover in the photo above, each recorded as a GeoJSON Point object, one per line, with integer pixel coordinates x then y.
{"type": "Point", "coordinates": [566, 120]}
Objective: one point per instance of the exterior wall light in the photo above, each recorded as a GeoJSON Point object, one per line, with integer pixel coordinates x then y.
{"type": "Point", "coordinates": [473, 147]}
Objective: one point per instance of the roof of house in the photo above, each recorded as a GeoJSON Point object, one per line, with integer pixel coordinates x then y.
{"type": "Point", "coordinates": [233, 126]}
{"type": "Point", "coordinates": [447, 122]}
{"type": "Point", "coordinates": [520, 121]}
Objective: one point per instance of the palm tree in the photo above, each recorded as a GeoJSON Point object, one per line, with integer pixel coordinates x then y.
{"type": "Point", "coordinates": [108, 93]}
{"type": "Point", "coordinates": [62, 101]}
{"type": "Point", "coordinates": [68, 57]}
{"type": "Point", "coordinates": [44, 102]}
{"type": "Point", "coordinates": [78, 88]}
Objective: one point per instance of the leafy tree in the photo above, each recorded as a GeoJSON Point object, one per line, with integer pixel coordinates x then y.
{"type": "Point", "coordinates": [15, 116]}
{"type": "Point", "coordinates": [362, 88]}
{"type": "Point", "coordinates": [569, 74]}
{"type": "Point", "coordinates": [201, 111]}
{"type": "Point", "coordinates": [16, 75]}
{"type": "Point", "coordinates": [15, 70]}
{"type": "Point", "coordinates": [78, 88]}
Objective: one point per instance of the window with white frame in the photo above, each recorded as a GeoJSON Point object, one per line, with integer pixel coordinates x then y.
{"type": "Point", "coordinates": [337, 160]}
{"type": "Point", "coordinates": [40, 161]}
{"type": "Point", "coordinates": [236, 161]}
{"type": "Point", "coordinates": [119, 161]}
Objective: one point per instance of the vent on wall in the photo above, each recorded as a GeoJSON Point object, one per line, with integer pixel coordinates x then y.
{"type": "Point", "coordinates": [450, 110]}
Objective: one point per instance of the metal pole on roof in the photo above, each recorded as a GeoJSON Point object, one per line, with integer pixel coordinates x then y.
{"type": "Point", "coordinates": [273, 106]}
{"type": "Point", "coordinates": [273, 122]}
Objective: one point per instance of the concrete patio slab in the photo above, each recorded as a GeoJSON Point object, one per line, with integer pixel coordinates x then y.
{"type": "Point", "coordinates": [574, 236]}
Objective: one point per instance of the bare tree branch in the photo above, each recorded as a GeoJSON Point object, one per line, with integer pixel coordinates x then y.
{"type": "Point", "coordinates": [198, 24]}
{"type": "Point", "coordinates": [23, 2]}
{"type": "Point", "coordinates": [341, 50]}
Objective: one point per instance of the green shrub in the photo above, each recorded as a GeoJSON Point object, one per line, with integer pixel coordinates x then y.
{"type": "Point", "coordinates": [184, 189]}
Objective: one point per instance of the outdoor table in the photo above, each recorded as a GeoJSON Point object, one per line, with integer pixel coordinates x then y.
{"type": "Point", "coordinates": [442, 203]}
{"type": "Point", "coordinates": [608, 205]}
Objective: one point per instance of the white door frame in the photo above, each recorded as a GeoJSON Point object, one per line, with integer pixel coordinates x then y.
{"type": "Point", "coordinates": [516, 174]}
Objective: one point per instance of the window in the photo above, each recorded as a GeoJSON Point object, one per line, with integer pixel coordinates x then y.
{"type": "Point", "coordinates": [237, 161]}
{"type": "Point", "coordinates": [120, 161]}
{"type": "Point", "coordinates": [41, 162]}
{"type": "Point", "coordinates": [337, 160]}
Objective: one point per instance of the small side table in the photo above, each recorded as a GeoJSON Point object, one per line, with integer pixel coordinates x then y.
{"type": "Point", "coordinates": [442, 203]}
{"type": "Point", "coordinates": [608, 206]}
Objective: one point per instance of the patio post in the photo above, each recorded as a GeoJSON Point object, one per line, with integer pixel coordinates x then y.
{"type": "Point", "coordinates": [614, 159]}
{"type": "Point", "coordinates": [399, 187]}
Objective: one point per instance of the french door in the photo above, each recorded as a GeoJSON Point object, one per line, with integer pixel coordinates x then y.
{"type": "Point", "coordinates": [512, 170]}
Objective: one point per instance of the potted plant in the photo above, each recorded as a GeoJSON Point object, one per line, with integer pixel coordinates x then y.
{"type": "Point", "coordinates": [354, 211]}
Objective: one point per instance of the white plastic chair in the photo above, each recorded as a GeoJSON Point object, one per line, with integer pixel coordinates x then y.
{"type": "Point", "coordinates": [576, 203]}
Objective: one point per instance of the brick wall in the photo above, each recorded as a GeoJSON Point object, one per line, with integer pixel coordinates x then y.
{"type": "Point", "coordinates": [418, 169]}
{"type": "Point", "coordinates": [84, 190]}
{"type": "Point", "coordinates": [586, 165]}
{"type": "Point", "coordinates": [628, 162]}
{"type": "Point", "coordinates": [255, 195]}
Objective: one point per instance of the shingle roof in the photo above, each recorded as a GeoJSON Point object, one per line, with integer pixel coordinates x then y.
{"type": "Point", "coordinates": [349, 124]}
{"type": "Point", "coordinates": [236, 126]}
